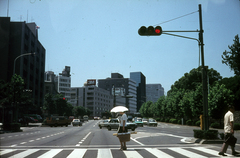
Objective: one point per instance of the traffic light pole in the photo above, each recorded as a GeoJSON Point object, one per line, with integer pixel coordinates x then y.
{"type": "Point", "coordinates": [204, 69]}
{"type": "Point", "coordinates": [204, 75]}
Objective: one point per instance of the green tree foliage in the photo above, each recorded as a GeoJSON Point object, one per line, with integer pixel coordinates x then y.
{"type": "Point", "coordinates": [57, 105]}
{"type": "Point", "coordinates": [14, 97]}
{"type": "Point", "coordinates": [184, 100]}
{"type": "Point", "coordinates": [191, 80]}
{"type": "Point", "coordinates": [233, 84]}
{"type": "Point", "coordinates": [232, 58]}
{"type": "Point", "coordinates": [219, 98]}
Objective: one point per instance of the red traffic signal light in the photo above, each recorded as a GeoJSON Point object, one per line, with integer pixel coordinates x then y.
{"type": "Point", "coordinates": [150, 31]}
{"type": "Point", "coordinates": [63, 98]}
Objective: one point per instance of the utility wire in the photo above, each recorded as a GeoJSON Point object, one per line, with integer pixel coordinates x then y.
{"type": "Point", "coordinates": [175, 18]}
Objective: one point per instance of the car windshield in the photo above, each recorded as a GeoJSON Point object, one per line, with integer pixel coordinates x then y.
{"type": "Point", "coordinates": [139, 120]}
{"type": "Point", "coordinates": [76, 120]}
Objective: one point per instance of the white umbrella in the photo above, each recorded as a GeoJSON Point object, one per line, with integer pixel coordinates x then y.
{"type": "Point", "coordinates": [119, 109]}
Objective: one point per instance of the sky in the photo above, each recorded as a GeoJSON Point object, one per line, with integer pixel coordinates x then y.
{"type": "Point", "coordinates": [99, 37]}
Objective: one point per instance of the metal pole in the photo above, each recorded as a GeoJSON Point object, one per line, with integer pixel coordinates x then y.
{"type": "Point", "coordinates": [204, 75]}
{"type": "Point", "coordinates": [19, 57]}
{"type": "Point", "coordinates": [14, 96]}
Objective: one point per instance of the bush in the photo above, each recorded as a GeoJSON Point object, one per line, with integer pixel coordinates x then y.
{"type": "Point", "coordinates": [166, 120]}
{"type": "Point", "coordinates": [173, 121]}
{"type": "Point", "coordinates": [14, 127]}
{"type": "Point", "coordinates": [236, 126]}
{"type": "Point", "coordinates": [179, 122]}
{"type": "Point", "coordinates": [197, 123]}
{"type": "Point", "coordinates": [189, 122]}
{"type": "Point", "coordinates": [215, 125]}
{"type": "Point", "coordinates": [158, 119]}
{"type": "Point", "coordinates": [210, 134]}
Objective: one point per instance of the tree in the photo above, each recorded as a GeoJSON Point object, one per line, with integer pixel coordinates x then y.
{"type": "Point", "coordinates": [191, 80]}
{"type": "Point", "coordinates": [57, 105]}
{"type": "Point", "coordinates": [233, 84]}
{"type": "Point", "coordinates": [232, 58]}
{"type": "Point", "coordinates": [218, 100]}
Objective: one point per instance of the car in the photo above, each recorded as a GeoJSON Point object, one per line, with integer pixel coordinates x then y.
{"type": "Point", "coordinates": [132, 125]}
{"type": "Point", "coordinates": [145, 121]}
{"type": "Point", "coordinates": [103, 123]}
{"type": "Point", "coordinates": [139, 122]}
{"type": "Point", "coordinates": [114, 124]}
{"type": "Point", "coordinates": [152, 122]}
{"type": "Point", "coordinates": [76, 122]}
{"type": "Point", "coordinates": [96, 118]}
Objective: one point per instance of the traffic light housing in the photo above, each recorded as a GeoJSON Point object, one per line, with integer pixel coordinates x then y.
{"type": "Point", "coordinates": [150, 31]}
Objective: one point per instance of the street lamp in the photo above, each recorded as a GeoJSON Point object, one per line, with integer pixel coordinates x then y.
{"type": "Point", "coordinates": [16, 115]}
{"type": "Point", "coordinates": [19, 57]}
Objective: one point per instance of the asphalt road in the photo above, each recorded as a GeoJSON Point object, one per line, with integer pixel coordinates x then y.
{"type": "Point", "coordinates": [89, 141]}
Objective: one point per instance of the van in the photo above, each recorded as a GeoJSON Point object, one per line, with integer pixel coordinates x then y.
{"type": "Point", "coordinates": [85, 117]}
{"type": "Point", "coordinates": [57, 121]}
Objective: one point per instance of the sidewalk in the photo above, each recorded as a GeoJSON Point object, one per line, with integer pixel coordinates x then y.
{"type": "Point", "coordinates": [211, 141]}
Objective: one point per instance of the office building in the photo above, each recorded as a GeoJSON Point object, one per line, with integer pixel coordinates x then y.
{"type": "Point", "coordinates": [64, 83]}
{"type": "Point", "coordinates": [121, 89]}
{"type": "Point", "coordinates": [96, 99]}
{"type": "Point", "coordinates": [18, 40]}
{"type": "Point", "coordinates": [140, 80]}
{"type": "Point", "coordinates": [51, 85]}
{"type": "Point", "coordinates": [154, 92]}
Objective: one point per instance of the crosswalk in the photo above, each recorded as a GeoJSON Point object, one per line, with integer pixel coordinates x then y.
{"type": "Point", "coordinates": [171, 152]}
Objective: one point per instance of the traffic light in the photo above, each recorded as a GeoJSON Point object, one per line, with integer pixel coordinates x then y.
{"type": "Point", "coordinates": [64, 98]}
{"type": "Point", "coordinates": [150, 31]}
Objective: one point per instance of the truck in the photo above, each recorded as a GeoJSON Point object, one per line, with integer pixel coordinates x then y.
{"type": "Point", "coordinates": [85, 117]}
{"type": "Point", "coordinates": [57, 121]}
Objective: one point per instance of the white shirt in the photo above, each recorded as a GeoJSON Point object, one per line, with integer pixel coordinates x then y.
{"type": "Point", "coordinates": [227, 119]}
{"type": "Point", "coordinates": [124, 117]}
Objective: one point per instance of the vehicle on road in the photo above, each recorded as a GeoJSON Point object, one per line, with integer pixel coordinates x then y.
{"type": "Point", "coordinates": [114, 124]}
{"type": "Point", "coordinates": [152, 122]}
{"type": "Point", "coordinates": [96, 118]}
{"type": "Point", "coordinates": [57, 121]}
{"type": "Point", "coordinates": [103, 123]}
{"type": "Point", "coordinates": [76, 122]}
{"type": "Point", "coordinates": [138, 121]}
{"type": "Point", "coordinates": [85, 117]}
{"type": "Point", "coordinates": [145, 121]}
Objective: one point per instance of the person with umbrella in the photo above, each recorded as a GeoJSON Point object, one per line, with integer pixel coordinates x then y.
{"type": "Point", "coordinates": [123, 129]}
{"type": "Point", "coordinates": [123, 122]}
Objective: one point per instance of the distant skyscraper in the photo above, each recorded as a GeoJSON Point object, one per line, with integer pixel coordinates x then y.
{"type": "Point", "coordinates": [119, 87]}
{"type": "Point", "coordinates": [140, 80]}
{"type": "Point", "coordinates": [154, 92]}
{"type": "Point", "coordinates": [64, 83]}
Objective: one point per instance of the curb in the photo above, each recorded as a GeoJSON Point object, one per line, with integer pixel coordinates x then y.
{"type": "Point", "coordinates": [209, 141]}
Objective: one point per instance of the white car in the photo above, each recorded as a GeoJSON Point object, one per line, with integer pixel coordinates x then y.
{"type": "Point", "coordinates": [76, 122]}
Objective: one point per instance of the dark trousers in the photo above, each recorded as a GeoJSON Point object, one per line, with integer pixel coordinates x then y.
{"type": "Point", "coordinates": [229, 139]}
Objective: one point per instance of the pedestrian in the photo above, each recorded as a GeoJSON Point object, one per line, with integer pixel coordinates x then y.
{"type": "Point", "coordinates": [229, 138]}
{"type": "Point", "coordinates": [123, 129]}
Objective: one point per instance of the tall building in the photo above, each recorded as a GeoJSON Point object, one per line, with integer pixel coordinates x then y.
{"type": "Point", "coordinates": [140, 80]}
{"type": "Point", "coordinates": [17, 40]}
{"type": "Point", "coordinates": [64, 83]}
{"type": "Point", "coordinates": [50, 85]}
{"type": "Point", "coordinates": [96, 99]}
{"type": "Point", "coordinates": [154, 92]}
{"type": "Point", "coordinates": [120, 87]}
